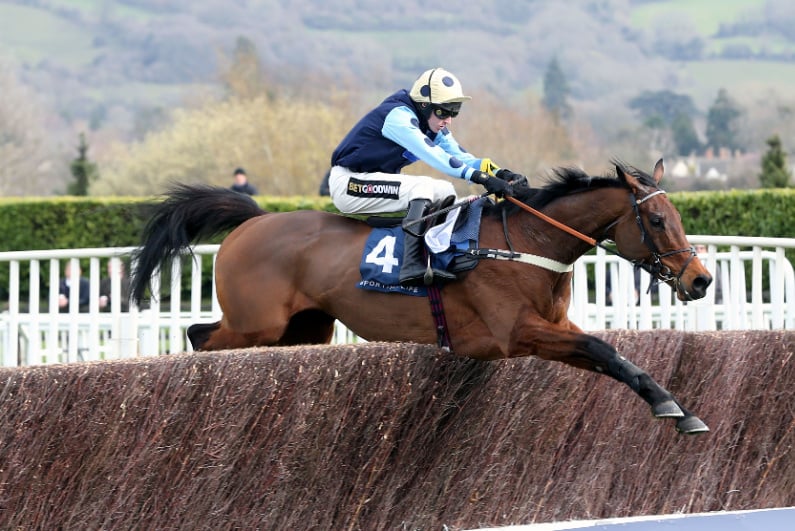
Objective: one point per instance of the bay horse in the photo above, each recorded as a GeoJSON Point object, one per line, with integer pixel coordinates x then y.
{"type": "Point", "coordinates": [283, 278]}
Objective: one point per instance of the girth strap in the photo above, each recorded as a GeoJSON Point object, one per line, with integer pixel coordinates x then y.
{"type": "Point", "coordinates": [439, 319]}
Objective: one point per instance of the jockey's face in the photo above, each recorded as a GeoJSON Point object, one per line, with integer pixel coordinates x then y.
{"type": "Point", "coordinates": [436, 124]}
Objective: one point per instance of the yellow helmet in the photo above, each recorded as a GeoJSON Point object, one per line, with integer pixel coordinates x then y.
{"type": "Point", "coordinates": [437, 86]}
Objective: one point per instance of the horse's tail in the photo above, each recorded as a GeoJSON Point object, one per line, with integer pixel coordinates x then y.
{"type": "Point", "coordinates": [189, 214]}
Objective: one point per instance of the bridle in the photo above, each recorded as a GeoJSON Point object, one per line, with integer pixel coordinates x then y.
{"type": "Point", "coordinates": [654, 266]}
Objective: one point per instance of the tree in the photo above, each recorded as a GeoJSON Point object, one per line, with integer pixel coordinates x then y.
{"type": "Point", "coordinates": [243, 76]}
{"type": "Point", "coordinates": [679, 42]}
{"type": "Point", "coordinates": [29, 156]}
{"type": "Point", "coordinates": [775, 173]}
{"type": "Point", "coordinates": [665, 104]}
{"type": "Point", "coordinates": [722, 123]}
{"type": "Point", "coordinates": [205, 144]}
{"type": "Point", "coordinates": [684, 135]}
{"type": "Point", "coordinates": [83, 170]}
{"type": "Point", "coordinates": [663, 112]}
{"type": "Point", "coordinates": [556, 91]}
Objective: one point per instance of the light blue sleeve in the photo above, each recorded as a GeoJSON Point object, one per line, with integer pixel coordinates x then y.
{"type": "Point", "coordinates": [447, 142]}
{"type": "Point", "coordinates": [401, 126]}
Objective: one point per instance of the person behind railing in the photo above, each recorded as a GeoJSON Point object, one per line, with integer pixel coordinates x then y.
{"type": "Point", "coordinates": [115, 268]}
{"type": "Point", "coordinates": [636, 282]}
{"type": "Point", "coordinates": [65, 288]}
{"type": "Point", "coordinates": [241, 183]}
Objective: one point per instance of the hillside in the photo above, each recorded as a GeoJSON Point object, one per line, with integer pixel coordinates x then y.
{"type": "Point", "coordinates": [97, 54]}
{"type": "Point", "coordinates": [117, 68]}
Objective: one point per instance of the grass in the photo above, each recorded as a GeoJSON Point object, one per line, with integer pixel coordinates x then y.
{"type": "Point", "coordinates": [746, 81]}
{"type": "Point", "coordinates": [770, 44]}
{"type": "Point", "coordinates": [36, 35]}
{"type": "Point", "coordinates": [113, 9]}
{"type": "Point", "coordinates": [757, 78]}
{"type": "Point", "coordinates": [706, 15]}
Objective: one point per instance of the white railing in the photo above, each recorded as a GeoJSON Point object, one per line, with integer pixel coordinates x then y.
{"type": "Point", "coordinates": [44, 333]}
{"type": "Point", "coordinates": [754, 279]}
{"type": "Point", "coordinates": [741, 296]}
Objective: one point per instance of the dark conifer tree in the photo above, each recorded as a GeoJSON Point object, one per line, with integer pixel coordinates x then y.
{"type": "Point", "coordinates": [775, 173]}
{"type": "Point", "coordinates": [83, 170]}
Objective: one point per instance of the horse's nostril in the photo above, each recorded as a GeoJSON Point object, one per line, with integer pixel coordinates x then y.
{"type": "Point", "coordinates": [701, 283]}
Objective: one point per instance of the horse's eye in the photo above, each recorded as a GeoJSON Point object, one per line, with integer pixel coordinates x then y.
{"type": "Point", "coordinates": [656, 221]}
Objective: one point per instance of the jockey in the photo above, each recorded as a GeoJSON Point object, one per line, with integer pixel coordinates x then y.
{"type": "Point", "coordinates": [406, 127]}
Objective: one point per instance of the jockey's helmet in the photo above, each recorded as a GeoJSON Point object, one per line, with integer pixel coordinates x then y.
{"type": "Point", "coordinates": [438, 88]}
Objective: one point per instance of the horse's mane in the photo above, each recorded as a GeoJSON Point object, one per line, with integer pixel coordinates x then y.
{"type": "Point", "coordinates": [565, 181]}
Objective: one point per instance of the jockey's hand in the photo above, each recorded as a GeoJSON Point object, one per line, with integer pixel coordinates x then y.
{"type": "Point", "coordinates": [487, 166]}
{"type": "Point", "coordinates": [493, 185]}
{"type": "Point", "coordinates": [511, 177]}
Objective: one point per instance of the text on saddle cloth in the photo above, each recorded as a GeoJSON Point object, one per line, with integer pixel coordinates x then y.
{"type": "Point", "coordinates": [383, 251]}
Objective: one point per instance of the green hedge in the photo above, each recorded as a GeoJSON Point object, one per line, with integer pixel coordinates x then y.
{"type": "Point", "coordinates": [70, 222]}
{"type": "Point", "coordinates": [769, 213]}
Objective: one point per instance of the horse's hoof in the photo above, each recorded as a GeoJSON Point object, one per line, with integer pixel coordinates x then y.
{"type": "Point", "coordinates": [667, 409]}
{"type": "Point", "coordinates": [691, 426]}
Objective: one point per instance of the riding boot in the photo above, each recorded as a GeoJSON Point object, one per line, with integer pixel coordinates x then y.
{"type": "Point", "coordinates": [416, 268]}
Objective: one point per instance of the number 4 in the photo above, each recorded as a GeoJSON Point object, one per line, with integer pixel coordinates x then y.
{"type": "Point", "coordinates": [383, 254]}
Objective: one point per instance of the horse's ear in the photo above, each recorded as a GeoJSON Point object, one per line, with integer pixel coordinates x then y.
{"type": "Point", "coordinates": [658, 171]}
{"type": "Point", "coordinates": [628, 178]}
{"type": "Point", "coordinates": [632, 180]}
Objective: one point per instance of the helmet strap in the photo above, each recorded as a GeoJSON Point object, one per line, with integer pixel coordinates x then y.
{"type": "Point", "coordinates": [426, 109]}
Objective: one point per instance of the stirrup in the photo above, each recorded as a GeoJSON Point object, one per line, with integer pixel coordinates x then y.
{"type": "Point", "coordinates": [429, 276]}
{"type": "Point", "coordinates": [432, 275]}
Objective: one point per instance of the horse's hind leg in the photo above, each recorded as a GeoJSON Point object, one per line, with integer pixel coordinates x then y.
{"type": "Point", "coordinates": [199, 333]}
{"type": "Point", "coordinates": [304, 328]}
{"type": "Point", "coordinates": [310, 327]}
{"type": "Point", "coordinates": [214, 336]}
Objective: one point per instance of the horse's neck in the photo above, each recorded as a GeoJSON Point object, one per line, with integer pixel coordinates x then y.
{"type": "Point", "coordinates": [589, 213]}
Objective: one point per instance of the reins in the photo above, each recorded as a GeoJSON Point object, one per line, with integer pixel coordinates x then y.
{"type": "Point", "coordinates": [657, 269]}
{"type": "Point", "coordinates": [577, 234]}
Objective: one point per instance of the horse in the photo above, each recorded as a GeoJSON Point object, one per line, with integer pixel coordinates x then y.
{"type": "Point", "coordinates": [283, 278]}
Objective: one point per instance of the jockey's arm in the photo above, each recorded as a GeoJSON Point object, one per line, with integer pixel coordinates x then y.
{"type": "Point", "coordinates": [400, 127]}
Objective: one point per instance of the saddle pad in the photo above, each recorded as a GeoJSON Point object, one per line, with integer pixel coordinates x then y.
{"type": "Point", "coordinates": [383, 253]}
{"type": "Point", "coordinates": [381, 261]}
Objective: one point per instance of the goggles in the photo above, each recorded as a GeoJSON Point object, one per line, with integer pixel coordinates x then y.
{"type": "Point", "coordinates": [449, 110]}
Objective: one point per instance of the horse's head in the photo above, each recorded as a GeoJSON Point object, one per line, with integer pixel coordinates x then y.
{"type": "Point", "coordinates": [652, 236]}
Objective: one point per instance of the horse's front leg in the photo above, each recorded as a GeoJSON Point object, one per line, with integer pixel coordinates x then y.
{"type": "Point", "coordinates": [570, 345]}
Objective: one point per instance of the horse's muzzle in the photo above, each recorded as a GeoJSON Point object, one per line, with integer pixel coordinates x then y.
{"type": "Point", "coordinates": [697, 288]}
